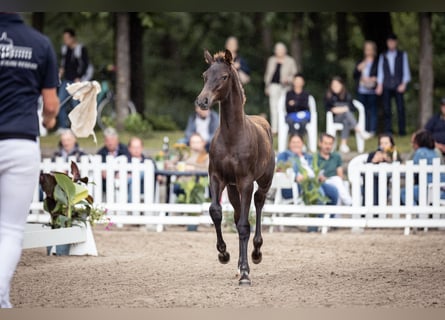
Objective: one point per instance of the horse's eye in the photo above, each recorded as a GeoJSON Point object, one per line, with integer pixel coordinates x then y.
{"type": "Point", "coordinates": [225, 77]}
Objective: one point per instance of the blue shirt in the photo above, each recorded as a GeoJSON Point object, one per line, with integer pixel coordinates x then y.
{"type": "Point", "coordinates": [28, 64]}
{"type": "Point", "coordinates": [429, 155]}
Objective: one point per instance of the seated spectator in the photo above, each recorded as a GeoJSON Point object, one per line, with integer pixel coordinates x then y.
{"type": "Point", "coordinates": [135, 149]}
{"type": "Point", "coordinates": [68, 146]}
{"type": "Point", "coordinates": [436, 126]}
{"type": "Point", "coordinates": [112, 146]}
{"type": "Point", "coordinates": [339, 102]}
{"type": "Point", "coordinates": [423, 145]}
{"type": "Point", "coordinates": [197, 160]}
{"type": "Point", "coordinates": [297, 107]}
{"type": "Point", "coordinates": [385, 153]}
{"type": "Point", "coordinates": [203, 122]}
{"type": "Point", "coordinates": [302, 161]}
{"type": "Point", "coordinates": [331, 165]}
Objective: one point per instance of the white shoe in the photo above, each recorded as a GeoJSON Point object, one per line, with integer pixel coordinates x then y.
{"type": "Point", "coordinates": [365, 135]}
{"type": "Point", "coordinates": [344, 148]}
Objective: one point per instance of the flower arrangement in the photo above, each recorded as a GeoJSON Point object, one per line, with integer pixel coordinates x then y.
{"type": "Point", "coordinates": [67, 199]}
{"type": "Point", "coordinates": [181, 150]}
{"type": "Point", "coordinates": [282, 166]}
{"type": "Point", "coordinates": [391, 154]}
{"type": "Point", "coordinates": [159, 156]}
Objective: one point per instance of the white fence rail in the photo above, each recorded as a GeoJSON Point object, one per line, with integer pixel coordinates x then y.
{"type": "Point", "coordinates": [388, 213]}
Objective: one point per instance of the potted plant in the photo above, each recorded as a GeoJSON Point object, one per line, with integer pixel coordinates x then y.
{"type": "Point", "coordinates": [68, 202]}
{"type": "Point", "coordinates": [194, 192]}
{"type": "Point", "coordinates": [310, 187]}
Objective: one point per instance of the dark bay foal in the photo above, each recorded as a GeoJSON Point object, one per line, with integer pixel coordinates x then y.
{"type": "Point", "coordinates": [241, 153]}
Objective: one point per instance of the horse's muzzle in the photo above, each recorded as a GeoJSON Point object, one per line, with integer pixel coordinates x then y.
{"type": "Point", "coordinates": [202, 103]}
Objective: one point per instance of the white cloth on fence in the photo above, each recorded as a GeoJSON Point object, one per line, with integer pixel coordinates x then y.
{"type": "Point", "coordinates": [83, 116]}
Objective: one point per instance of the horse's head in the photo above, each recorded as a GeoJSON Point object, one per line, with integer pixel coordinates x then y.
{"type": "Point", "coordinates": [217, 79]}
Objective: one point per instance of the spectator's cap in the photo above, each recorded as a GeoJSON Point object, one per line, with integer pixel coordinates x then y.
{"type": "Point", "coordinates": [108, 132]}
{"type": "Point", "coordinates": [391, 36]}
{"type": "Point", "coordinates": [442, 101]}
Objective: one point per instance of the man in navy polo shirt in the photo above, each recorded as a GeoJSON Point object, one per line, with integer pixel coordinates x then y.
{"type": "Point", "coordinates": [393, 75]}
{"type": "Point", "coordinates": [28, 70]}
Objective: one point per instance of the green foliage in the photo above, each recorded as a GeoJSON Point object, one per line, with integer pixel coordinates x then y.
{"type": "Point", "coordinates": [194, 191]}
{"type": "Point", "coordinates": [310, 186]}
{"type": "Point", "coordinates": [162, 122]}
{"type": "Point", "coordinates": [173, 45]}
{"type": "Point", "coordinates": [136, 125]}
{"type": "Point", "coordinates": [67, 199]}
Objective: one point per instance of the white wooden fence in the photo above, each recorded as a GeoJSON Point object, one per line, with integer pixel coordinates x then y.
{"type": "Point", "coordinates": [145, 207]}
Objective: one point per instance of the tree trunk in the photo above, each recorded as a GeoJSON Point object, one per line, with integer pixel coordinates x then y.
{"type": "Point", "coordinates": [122, 68]}
{"type": "Point", "coordinates": [266, 38]}
{"type": "Point", "coordinates": [296, 45]}
{"type": "Point", "coordinates": [136, 62]}
{"type": "Point", "coordinates": [342, 35]}
{"type": "Point", "coordinates": [426, 71]}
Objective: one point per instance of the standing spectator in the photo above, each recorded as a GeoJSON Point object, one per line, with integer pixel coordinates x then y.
{"type": "Point", "coordinates": [278, 77]}
{"type": "Point", "coordinates": [239, 63]}
{"type": "Point", "coordinates": [393, 75]}
{"type": "Point", "coordinates": [365, 74]}
{"type": "Point", "coordinates": [385, 153]}
{"type": "Point", "coordinates": [28, 70]}
{"type": "Point", "coordinates": [423, 146]}
{"type": "Point", "coordinates": [331, 164]}
{"type": "Point", "coordinates": [297, 107]}
{"type": "Point", "coordinates": [112, 146]}
{"type": "Point", "coordinates": [68, 146]}
{"type": "Point", "coordinates": [204, 122]}
{"type": "Point", "coordinates": [301, 160]}
{"type": "Point", "coordinates": [339, 102]}
{"type": "Point", "coordinates": [436, 126]}
{"type": "Point", "coordinates": [74, 67]}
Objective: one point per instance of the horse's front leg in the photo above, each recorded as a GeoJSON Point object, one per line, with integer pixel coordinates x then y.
{"type": "Point", "coordinates": [243, 227]}
{"type": "Point", "coordinates": [215, 210]}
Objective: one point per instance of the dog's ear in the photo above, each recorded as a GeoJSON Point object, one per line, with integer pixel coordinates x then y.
{"type": "Point", "coordinates": [208, 57]}
{"type": "Point", "coordinates": [228, 56]}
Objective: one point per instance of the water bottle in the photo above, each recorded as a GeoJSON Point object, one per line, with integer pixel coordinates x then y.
{"type": "Point", "coordinates": [165, 147]}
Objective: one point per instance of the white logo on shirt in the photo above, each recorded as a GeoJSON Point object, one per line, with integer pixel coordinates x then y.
{"type": "Point", "coordinates": [14, 56]}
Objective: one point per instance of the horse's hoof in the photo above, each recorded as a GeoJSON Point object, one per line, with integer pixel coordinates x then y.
{"type": "Point", "coordinates": [244, 281]}
{"type": "Point", "coordinates": [224, 257]}
{"type": "Point", "coordinates": [257, 258]}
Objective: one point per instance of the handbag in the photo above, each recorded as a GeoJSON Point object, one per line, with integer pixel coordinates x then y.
{"type": "Point", "coordinates": [298, 117]}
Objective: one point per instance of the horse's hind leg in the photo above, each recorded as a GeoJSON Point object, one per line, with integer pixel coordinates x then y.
{"type": "Point", "coordinates": [215, 211]}
{"type": "Point", "coordinates": [259, 199]}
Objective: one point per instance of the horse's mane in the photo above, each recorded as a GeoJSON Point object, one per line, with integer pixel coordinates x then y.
{"type": "Point", "coordinates": [220, 57]}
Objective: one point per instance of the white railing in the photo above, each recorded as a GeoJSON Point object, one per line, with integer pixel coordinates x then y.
{"type": "Point", "coordinates": [145, 209]}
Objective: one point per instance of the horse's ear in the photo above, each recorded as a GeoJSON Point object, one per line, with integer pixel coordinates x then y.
{"type": "Point", "coordinates": [208, 57]}
{"type": "Point", "coordinates": [228, 56]}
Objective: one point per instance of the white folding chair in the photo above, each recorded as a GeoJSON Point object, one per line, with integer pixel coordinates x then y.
{"type": "Point", "coordinates": [280, 181]}
{"type": "Point", "coordinates": [311, 126]}
{"type": "Point", "coordinates": [332, 127]}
